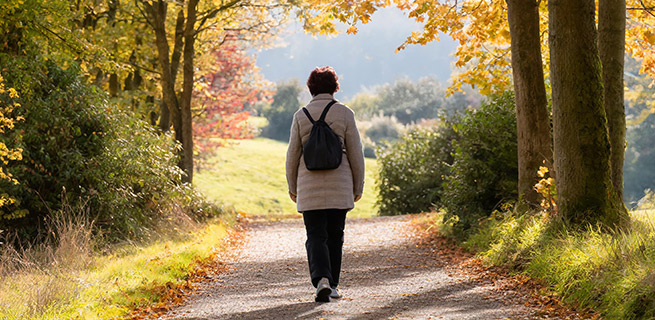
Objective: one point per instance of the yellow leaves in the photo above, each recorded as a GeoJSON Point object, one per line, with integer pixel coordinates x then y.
{"type": "Point", "coordinates": [7, 105]}
{"type": "Point", "coordinates": [640, 37]}
{"type": "Point", "coordinates": [546, 188]}
{"type": "Point", "coordinates": [505, 34]}
{"type": "Point", "coordinates": [12, 93]}
{"type": "Point", "coordinates": [352, 30]}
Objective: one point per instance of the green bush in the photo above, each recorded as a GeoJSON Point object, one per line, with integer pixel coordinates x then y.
{"type": "Point", "coordinates": [384, 128]}
{"type": "Point", "coordinates": [412, 170]}
{"type": "Point", "coordinates": [77, 145]}
{"type": "Point", "coordinates": [280, 112]}
{"type": "Point", "coordinates": [485, 165]}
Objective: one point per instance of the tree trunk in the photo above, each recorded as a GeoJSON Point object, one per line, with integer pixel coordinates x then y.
{"type": "Point", "coordinates": [187, 89]}
{"type": "Point", "coordinates": [114, 86]}
{"type": "Point", "coordinates": [177, 47]}
{"type": "Point", "coordinates": [532, 120]}
{"type": "Point", "coordinates": [611, 47]}
{"type": "Point", "coordinates": [164, 111]}
{"type": "Point", "coordinates": [581, 141]}
{"type": "Point", "coordinates": [157, 13]}
{"type": "Point", "coordinates": [164, 117]}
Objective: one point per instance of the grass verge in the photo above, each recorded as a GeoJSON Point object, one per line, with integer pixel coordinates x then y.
{"type": "Point", "coordinates": [250, 176]}
{"type": "Point", "coordinates": [613, 275]}
{"type": "Point", "coordinates": [66, 279]}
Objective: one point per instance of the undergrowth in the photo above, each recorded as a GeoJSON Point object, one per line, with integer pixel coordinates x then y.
{"type": "Point", "coordinates": [67, 277]}
{"type": "Point", "coordinates": [611, 274]}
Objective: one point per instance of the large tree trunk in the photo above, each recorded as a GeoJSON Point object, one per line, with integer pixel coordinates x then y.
{"type": "Point", "coordinates": [533, 125]}
{"type": "Point", "coordinates": [581, 141]}
{"type": "Point", "coordinates": [611, 47]}
{"type": "Point", "coordinates": [187, 89]}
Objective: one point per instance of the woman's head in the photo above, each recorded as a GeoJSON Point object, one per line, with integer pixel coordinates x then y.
{"type": "Point", "coordinates": [323, 80]}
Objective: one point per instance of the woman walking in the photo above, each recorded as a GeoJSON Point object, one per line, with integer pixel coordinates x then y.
{"type": "Point", "coordinates": [325, 196]}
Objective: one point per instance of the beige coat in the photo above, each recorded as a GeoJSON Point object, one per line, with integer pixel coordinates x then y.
{"type": "Point", "coordinates": [325, 189]}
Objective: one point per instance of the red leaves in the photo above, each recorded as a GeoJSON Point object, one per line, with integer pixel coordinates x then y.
{"type": "Point", "coordinates": [232, 84]}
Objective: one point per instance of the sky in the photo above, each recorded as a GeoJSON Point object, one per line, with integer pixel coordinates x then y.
{"type": "Point", "coordinates": [362, 61]}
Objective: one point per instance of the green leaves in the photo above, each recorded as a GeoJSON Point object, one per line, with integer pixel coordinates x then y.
{"type": "Point", "coordinates": [412, 170]}
{"type": "Point", "coordinates": [467, 165]}
{"type": "Point", "coordinates": [484, 172]}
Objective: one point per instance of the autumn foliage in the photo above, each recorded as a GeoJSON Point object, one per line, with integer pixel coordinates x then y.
{"type": "Point", "coordinates": [230, 84]}
{"type": "Point", "coordinates": [481, 31]}
{"type": "Point", "coordinates": [8, 102]}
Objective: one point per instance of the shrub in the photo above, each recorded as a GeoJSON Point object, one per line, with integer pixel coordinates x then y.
{"type": "Point", "coordinates": [412, 170]}
{"type": "Point", "coordinates": [75, 143]}
{"type": "Point", "coordinates": [369, 147]}
{"type": "Point", "coordinates": [384, 128]}
{"type": "Point", "coordinates": [485, 165]}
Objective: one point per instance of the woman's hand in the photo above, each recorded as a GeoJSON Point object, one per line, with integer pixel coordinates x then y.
{"type": "Point", "coordinates": [357, 197]}
{"type": "Point", "coordinates": [293, 197]}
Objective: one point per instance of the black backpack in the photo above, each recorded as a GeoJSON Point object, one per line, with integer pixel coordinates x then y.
{"type": "Point", "coordinates": [323, 150]}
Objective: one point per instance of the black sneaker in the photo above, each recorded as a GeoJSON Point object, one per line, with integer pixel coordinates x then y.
{"type": "Point", "coordinates": [323, 291]}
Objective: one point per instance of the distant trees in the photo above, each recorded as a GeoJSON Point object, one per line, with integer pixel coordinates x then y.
{"type": "Point", "coordinates": [279, 113]}
{"type": "Point", "coordinates": [385, 112]}
{"type": "Point", "coordinates": [639, 166]}
{"type": "Point", "coordinates": [412, 101]}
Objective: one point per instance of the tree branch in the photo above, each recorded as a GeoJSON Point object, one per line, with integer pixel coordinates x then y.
{"type": "Point", "coordinates": [212, 13]}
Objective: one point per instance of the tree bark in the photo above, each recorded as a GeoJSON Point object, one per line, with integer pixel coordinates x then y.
{"type": "Point", "coordinates": [532, 119]}
{"type": "Point", "coordinates": [178, 44]}
{"type": "Point", "coordinates": [157, 15]}
{"type": "Point", "coordinates": [187, 89]}
{"type": "Point", "coordinates": [164, 117]}
{"type": "Point", "coordinates": [581, 140]}
{"type": "Point", "coordinates": [164, 111]}
{"type": "Point", "coordinates": [611, 47]}
{"type": "Point", "coordinates": [114, 86]}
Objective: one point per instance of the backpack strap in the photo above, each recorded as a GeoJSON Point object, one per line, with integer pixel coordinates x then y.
{"type": "Point", "coordinates": [307, 114]}
{"type": "Point", "coordinates": [325, 111]}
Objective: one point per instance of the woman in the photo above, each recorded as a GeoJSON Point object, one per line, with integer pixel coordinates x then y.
{"type": "Point", "coordinates": [324, 196]}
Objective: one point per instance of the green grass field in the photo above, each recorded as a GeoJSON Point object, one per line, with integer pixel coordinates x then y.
{"type": "Point", "coordinates": [250, 176]}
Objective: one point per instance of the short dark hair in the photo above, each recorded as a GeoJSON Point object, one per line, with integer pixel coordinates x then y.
{"type": "Point", "coordinates": [323, 80]}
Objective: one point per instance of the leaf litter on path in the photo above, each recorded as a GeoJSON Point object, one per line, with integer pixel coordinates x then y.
{"type": "Point", "coordinates": [393, 269]}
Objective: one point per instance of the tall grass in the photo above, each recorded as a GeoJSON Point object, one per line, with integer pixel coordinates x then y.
{"type": "Point", "coordinates": [611, 274]}
{"type": "Point", "coordinates": [35, 277]}
{"type": "Point", "coordinates": [68, 277]}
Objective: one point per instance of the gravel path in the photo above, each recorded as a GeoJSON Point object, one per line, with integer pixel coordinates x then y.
{"type": "Point", "coordinates": [385, 276]}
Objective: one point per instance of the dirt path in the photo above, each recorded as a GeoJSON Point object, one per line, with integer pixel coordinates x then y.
{"type": "Point", "coordinates": [386, 275]}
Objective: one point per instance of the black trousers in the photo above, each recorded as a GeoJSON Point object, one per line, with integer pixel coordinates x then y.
{"type": "Point", "coordinates": [324, 243]}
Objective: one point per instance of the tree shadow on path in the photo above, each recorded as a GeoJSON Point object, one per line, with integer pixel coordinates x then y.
{"type": "Point", "coordinates": [385, 275]}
